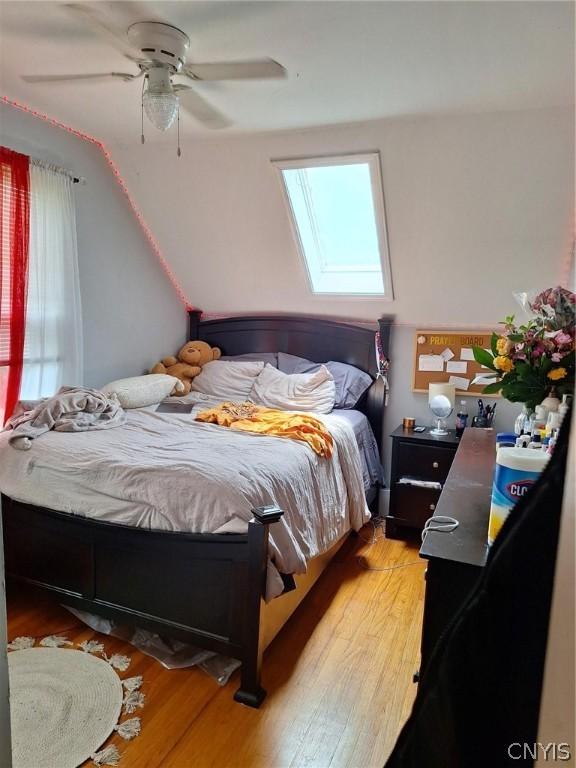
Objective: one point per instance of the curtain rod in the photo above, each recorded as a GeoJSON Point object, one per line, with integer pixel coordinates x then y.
{"type": "Point", "coordinates": [58, 169]}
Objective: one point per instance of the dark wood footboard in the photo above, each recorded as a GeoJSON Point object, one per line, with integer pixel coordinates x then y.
{"type": "Point", "coordinates": [201, 588]}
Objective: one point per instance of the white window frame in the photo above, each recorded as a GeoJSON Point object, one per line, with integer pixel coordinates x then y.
{"type": "Point", "coordinates": [372, 159]}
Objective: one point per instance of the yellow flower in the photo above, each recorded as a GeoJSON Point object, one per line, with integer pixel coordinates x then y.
{"type": "Point", "coordinates": [503, 345]}
{"type": "Point", "coordinates": [503, 363]}
{"type": "Point", "coordinates": [557, 373]}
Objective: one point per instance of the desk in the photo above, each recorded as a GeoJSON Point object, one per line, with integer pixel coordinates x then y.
{"type": "Point", "coordinates": [456, 559]}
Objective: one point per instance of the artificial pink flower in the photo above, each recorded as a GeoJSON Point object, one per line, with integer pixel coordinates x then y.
{"type": "Point", "coordinates": [562, 338]}
{"type": "Point", "coordinates": [556, 357]}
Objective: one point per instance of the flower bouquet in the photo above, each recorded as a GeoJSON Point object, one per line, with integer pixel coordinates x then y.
{"type": "Point", "coordinates": [528, 360]}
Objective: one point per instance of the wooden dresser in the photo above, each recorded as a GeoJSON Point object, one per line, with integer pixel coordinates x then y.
{"type": "Point", "coordinates": [456, 559]}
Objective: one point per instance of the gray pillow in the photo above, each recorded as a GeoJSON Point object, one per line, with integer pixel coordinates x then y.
{"type": "Point", "coordinates": [270, 358]}
{"type": "Point", "coordinates": [293, 364]}
{"type": "Point", "coordinates": [351, 382]}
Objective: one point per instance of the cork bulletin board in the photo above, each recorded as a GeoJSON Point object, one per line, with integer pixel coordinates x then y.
{"type": "Point", "coordinates": [440, 356]}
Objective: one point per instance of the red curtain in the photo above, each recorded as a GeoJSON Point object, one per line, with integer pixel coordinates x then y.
{"type": "Point", "coordinates": [14, 241]}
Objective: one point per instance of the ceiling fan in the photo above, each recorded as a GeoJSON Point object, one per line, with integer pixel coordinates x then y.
{"type": "Point", "coordinates": [159, 51]}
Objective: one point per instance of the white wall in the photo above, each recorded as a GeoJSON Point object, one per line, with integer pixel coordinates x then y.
{"type": "Point", "coordinates": [478, 206]}
{"type": "Point", "coordinates": [131, 314]}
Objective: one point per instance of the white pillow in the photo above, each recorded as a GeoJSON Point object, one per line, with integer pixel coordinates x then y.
{"type": "Point", "coordinates": [139, 391]}
{"type": "Point", "coordinates": [297, 391]}
{"type": "Point", "coordinates": [226, 379]}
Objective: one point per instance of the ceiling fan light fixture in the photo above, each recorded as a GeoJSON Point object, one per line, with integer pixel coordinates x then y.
{"type": "Point", "coordinates": [161, 108]}
{"type": "Point", "coordinates": [159, 99]}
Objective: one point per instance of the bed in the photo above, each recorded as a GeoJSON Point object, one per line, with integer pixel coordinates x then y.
{"type": "Point", "coordinates": [205, 588]}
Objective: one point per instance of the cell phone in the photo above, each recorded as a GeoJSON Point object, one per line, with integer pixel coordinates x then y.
{"type": "Point", "coordinates": [175, 407]}
{"type": "Point", "coordinates": [419, 429]}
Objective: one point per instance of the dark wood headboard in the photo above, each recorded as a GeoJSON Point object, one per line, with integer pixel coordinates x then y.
{"type": "Point", "coordinates": [314, 338]}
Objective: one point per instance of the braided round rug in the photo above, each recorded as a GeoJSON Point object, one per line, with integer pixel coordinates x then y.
{"type": "Point", "coordinates": [64, 704]}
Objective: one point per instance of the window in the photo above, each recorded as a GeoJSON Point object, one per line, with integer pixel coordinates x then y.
{"type": "Point", "coordinates": [337, 210]}
{"type": "Point", "coordinates": [40, 321]}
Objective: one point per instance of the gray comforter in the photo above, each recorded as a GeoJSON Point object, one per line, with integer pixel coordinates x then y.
{"type": "Point", "coordinates": [72, 409]}
{"type": "Point", "coordinates": [168, 472]}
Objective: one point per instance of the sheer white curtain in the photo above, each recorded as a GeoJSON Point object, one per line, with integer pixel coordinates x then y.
{"type": "Point", "coordinates": [53, 345]}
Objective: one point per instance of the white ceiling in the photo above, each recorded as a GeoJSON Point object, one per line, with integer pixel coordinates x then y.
{"type": "Point", "coordinates": [346, 61]}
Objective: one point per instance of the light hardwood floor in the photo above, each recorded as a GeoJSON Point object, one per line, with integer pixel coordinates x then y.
{"type": "Point", "coordinates": [339, 675]}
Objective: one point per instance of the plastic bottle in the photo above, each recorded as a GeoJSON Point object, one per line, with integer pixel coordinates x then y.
{"type": "Point", "coordinates": [554, 421]}
{"type": "Point", "coordinates": [564, 406]}
{"type": "Point", "coordinates": [540, 418]}
{"type": "Point", "coordinates": [461, 418]}
{"type": "Point", "coordinates": [522, 421]}
{"type": "Point", "coordinates": [536, 441]}
{"type": "Point", "coordinates": [505, 440]}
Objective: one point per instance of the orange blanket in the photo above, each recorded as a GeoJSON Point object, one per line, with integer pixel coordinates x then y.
{"type": "Point", "coordinates": [255, 418]}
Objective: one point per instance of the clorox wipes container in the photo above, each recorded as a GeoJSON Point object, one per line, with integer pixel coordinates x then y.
{"type": "Point", "coordinates": [517, 469]}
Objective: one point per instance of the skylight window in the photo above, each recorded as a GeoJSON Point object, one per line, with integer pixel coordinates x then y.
{"type": "Point", "coordinates": [337, 210]}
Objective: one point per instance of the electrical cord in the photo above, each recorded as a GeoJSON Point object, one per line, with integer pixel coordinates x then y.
{"type": "Point", "coordinates": [365, 567]}
{"type": "Point", "coordinates": [377, 523]}
{"type": "Point", "coordinates": [440, 523]}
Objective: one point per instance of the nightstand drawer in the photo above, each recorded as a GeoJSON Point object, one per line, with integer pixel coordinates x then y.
{"type": "Point", "coordinates": [414, 505]}
{"type": "Point", "coordinates": [426, 462]}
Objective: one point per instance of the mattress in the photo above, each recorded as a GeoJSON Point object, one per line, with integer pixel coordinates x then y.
{"type": "Point", "coordinates": [165, 471]}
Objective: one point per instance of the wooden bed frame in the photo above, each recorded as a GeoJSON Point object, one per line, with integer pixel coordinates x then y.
{"type": "Point", "coordinates": [204, 589]}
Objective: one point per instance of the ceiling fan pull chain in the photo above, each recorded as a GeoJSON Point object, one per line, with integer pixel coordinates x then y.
{"type": "Point", "coordinates": [178, 151]}
{"type": "Point", "coordinates": [142, 111]}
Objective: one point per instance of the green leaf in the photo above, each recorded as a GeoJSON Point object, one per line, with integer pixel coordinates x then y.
{"type": "Point", "coordinates": [522, 392]}
{"type": "Point", "coordinates": [516, 337]}
{"type": "Point", "coordinates": [493, 341]}
{"type": "Point", "coordinates": [545, 364]}
{"type": "Point", "coordinates": [524, 370]}
{"type": "Point", "coordinates": [509, 378]}
{"type": "Point", "coordinates": [490, 389]}
{"type": "Point", "coordinates": [483, 357]}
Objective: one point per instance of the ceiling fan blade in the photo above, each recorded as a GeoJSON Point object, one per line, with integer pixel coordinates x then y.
{"type": "Point", "coordinates": [64, 78]}
{"type": "Point", "coordinates": [129, 11]}
{"type": "Point", "coordinates": [236, 70]}
{"type": "Point", "coordinates": [200, 109]}
{"type": "Point", "coordinates": [116, 37]}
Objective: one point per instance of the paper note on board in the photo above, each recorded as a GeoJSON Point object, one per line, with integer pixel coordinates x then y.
{"type": "Point", "coordinates": [483, 379]}
{"type": "Point", "coordinates": [459, 382]}
{"type": "Point", "coordinates": [447, 354]}
{"type": "Point", "coordinates": [457, 366]}
{"type": "Point", "coordinates": [430, 363]}
{"type": "Point", "coordinates": [466, 353]}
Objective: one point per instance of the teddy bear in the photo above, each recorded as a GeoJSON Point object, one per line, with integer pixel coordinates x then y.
{"type": "Point", "coordinates": [187, 364]}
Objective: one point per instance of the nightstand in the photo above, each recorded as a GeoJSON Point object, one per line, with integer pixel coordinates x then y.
{"type": "Point", "coordinates": [417, 456]}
